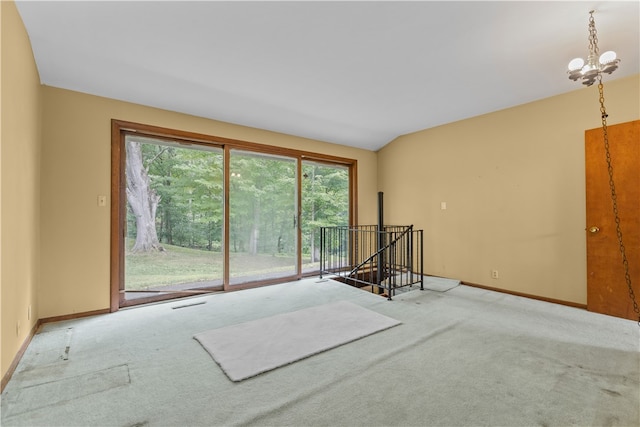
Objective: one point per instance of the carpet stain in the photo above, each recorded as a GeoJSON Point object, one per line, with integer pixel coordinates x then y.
{"type": "Point", "coordinates": [51, 347]}
{"type": "Point", "coordinates": [611, 392]}
{"type": "Point", "coordinates": [139, 424]}
{"type": "Point", "coordinates": [60, 391]}
{"type": "Point", "coordinates": [611, 421]}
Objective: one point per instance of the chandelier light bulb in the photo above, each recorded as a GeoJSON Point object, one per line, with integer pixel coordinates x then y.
{"type": "Point", "coordinates": [607, 57]}
{"type": "Point", "coordinates": [576, 64]}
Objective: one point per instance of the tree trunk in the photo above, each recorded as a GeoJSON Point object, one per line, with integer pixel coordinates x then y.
{"type": "Point", "coordinates": [142, 199]}
{"type": "Point", "coordinates": [255, 228]}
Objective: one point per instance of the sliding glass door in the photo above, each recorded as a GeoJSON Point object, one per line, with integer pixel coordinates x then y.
{"type": "Point", "coordinates": [194, 214]}
{"type": "Point", "coordinates": [262, 217]}
{"type": "Point", "coordinates": [174, 218]}
{"type": "Point", "coordinates": [325, 203]}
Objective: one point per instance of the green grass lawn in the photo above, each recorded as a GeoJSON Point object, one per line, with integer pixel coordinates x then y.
{"type": "Point", "coordinates": [182, 265]}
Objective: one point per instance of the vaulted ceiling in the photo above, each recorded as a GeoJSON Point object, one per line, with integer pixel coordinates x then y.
{"type": "Point", "coordinates": [353, 73]}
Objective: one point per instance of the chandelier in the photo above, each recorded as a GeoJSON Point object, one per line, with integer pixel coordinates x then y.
{"type": "Point", "coordinates": [596, 64]}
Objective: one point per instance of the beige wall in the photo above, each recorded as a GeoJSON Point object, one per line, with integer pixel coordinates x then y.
{"type": "Point", "coordinates": [76, 169]}
{"type": "Point", "coordinates": [20, 184]}
{"type": "Point", "coordinates": [514, 184]}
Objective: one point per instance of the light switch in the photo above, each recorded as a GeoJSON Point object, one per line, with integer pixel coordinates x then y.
{"type": "Point", "coordinates": [102, 201]}
{"type": "Point", "coordinates": [443, 205]}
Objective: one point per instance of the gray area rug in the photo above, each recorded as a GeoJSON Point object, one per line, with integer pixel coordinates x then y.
{"type": "Point", "coordinates": [247, 349]}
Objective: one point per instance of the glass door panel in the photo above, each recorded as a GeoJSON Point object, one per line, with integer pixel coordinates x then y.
{"type": "Point", "coordinates": [262, 217]}
{"type": "Point", "coordinates": [325, 203]}
{"type": "Point", "coordinates": [174, 221]}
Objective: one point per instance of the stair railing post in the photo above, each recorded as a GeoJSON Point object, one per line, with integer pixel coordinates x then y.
{"type": "Point", "coordinates": [321, 250]}
{"type": "Point", "coordinates": [380, 240]}
{"type": "Point", "coordinates": [421, 262]}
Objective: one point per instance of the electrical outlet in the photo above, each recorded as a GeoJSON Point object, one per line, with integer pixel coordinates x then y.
{"type": "Point", "coordinates": [494, 274]}
{"type": "Point", "coordinates": [102, 201]}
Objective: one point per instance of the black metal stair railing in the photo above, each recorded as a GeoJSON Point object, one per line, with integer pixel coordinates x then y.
{"type": "Point", "coordinates": [385, 259]}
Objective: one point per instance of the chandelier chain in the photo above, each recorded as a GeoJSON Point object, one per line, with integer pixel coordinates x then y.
{"type": "Point", "coordinates": [614, 198]}
{"type": "Point", "coordinates": [593, 36]}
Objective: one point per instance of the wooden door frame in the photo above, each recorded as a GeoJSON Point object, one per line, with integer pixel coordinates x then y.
{"type": "Point", "coordinates": [121, 128]}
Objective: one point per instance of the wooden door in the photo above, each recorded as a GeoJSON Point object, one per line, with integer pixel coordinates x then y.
{"type": "Point", "coordinates": [607, 290]}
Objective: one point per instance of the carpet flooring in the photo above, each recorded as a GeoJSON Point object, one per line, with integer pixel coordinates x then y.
{"type": "Point", "coordinates": [462, 357]}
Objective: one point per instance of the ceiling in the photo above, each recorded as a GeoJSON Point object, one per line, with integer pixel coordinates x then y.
{"type": "Point", "coordinates": [352, 73]}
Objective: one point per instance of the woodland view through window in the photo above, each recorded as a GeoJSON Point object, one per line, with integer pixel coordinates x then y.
{"type": "Point", "coordinates": [179, 236]}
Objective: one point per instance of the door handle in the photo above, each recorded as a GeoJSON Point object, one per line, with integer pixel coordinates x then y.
{"type": "Point", "coordinates": [594, 229]}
